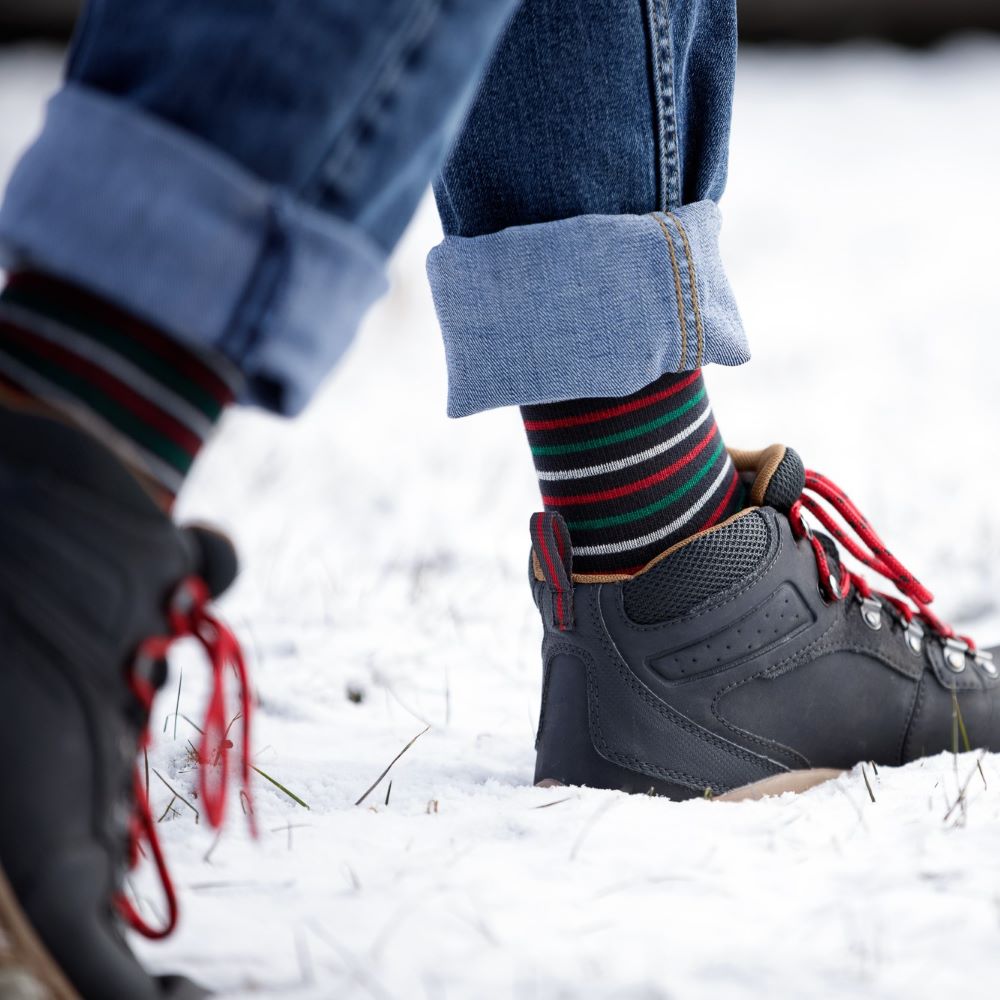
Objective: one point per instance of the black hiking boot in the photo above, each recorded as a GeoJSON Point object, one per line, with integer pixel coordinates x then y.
{"type": "Point", "coordinates": [748, 659]}
{"type": "Point", "coordinates": [95, 582]}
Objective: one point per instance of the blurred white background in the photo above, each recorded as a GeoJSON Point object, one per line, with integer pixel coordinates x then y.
{"type": "Point", "coordinates": [385, 552]}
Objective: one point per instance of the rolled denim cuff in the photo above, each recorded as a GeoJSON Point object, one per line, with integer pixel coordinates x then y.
{"type": "Point", "coordinates": [597, 305]}
{"type": "Point", "coordinates": [156, 220]}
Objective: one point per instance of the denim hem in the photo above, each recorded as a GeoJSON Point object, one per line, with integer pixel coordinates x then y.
{"type": "Point", "coordinates": [156, 220]}
{"type": "Point", "coordinates": [597, 305]}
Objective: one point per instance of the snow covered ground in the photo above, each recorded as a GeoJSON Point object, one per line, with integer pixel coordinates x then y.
{"type": "Point", "coordinates": [861, 234]}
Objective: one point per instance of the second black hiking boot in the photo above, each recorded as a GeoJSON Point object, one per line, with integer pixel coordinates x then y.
{"type": "Point", "coordinates": [748, 659]}
{"type": "Point", "coordinates": [95, 583]}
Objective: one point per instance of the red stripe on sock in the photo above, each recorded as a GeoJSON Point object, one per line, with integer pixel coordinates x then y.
{"type": "Point", "coordinates": [639, 484]}
{"type": "Point", "coordinates": [117, 391]}
{"type": "Point", "coordinates": [173, 352]}
{"type": "Point", "coordinates": [716, 514]}
{"type": "Point", "coordinates": [721, 509]}
{"type": "Point", "coordinates": [612, 411]}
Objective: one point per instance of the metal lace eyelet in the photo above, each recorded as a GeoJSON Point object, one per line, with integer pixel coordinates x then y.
{"type": "Point", "coordinates": [914, 637]}
{"type": "Point", "coordinates": [954, 655]}
{"type": "Point", "coordinates": [985, 660]}
{"type": "Point", "coordinates": [871, 613]}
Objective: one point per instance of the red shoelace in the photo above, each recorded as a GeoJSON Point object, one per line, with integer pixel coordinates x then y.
{"type": "Point", "coordinates": [189, 616]}
{"type": "Point", "coordinates": [868, 549]}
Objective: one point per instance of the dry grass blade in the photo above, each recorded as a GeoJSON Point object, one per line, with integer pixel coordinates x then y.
{"type": "Point", "coordinates": [364, 977]}
{"type": "Point", "coordinates": [281, 788]}
{"type": "Point", "coordinates": [192, 723]}
{"type": "Point", "coordinates": [207, 859]}
{"type": "Point", "coordinates": [177, 706]}
{"type": "Point", "coordinates": [958, 725]}
{"type": "Point", "coordinates": [864, 774]}
{"type": "Point", "coordinates": [197, 815]}
{"type": "Point", "coordinates": [390, 766]}
{"type": "Point", "coordinates": [549, 805]}
{"type": "Point", "coordinates": [170, 808]}
{"type": "Point", "coordinates": [962, 801]}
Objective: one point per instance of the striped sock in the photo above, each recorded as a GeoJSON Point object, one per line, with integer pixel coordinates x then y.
{"type": "Point", "coordinates": [149, 397]}
{"type": "Point", "coordinates": [632, 476]}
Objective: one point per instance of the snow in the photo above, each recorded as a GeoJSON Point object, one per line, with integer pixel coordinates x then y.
{"type": "Point", "coordinates": [385, 551]}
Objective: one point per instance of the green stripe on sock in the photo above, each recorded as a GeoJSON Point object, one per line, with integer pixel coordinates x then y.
{"type": "Point", "coordinates": [632, 432]}
{"type": "Point", "coordinates": [121, 343]}
{"type": "Point", "coordinates": [101, 403]}
{"type": "Point", "coordinates": [666, 501]}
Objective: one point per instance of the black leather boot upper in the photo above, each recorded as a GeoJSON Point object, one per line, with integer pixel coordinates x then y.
{"type": "Point", "coordinates": [728, 661]}
{"type": "Point", "coordinates": [88, 565]}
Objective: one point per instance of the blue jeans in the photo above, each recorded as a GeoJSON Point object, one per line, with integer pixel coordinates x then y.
{"type": "Point", "coordinates": [237, 171]}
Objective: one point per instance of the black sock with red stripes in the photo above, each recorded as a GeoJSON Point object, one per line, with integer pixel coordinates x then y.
{"type": "Point", "coordinates": [149, 397]}
{"type": "Point", "coordinates": [633, 476]}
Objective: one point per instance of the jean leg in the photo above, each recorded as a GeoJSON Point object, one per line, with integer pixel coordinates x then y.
{"type": "Point", "coordinates": [579, 204]}
{"type": "Point", "coordinates": [236, 173]}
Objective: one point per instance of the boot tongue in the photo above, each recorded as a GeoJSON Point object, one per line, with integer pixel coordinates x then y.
{"type": "Point", "coordinates": [216, 561]}
{"type": "Point", "coordinates": [776, 476]}
{"type": "Point", "coordinates": [831, 550]}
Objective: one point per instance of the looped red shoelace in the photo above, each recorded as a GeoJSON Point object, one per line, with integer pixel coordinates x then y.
{"type": "Point", "coordinates": [189, 616]}
{"type": "Point", "coordinates": [867, 548]}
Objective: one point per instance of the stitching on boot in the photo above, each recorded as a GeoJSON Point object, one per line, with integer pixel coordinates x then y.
{"type": "Point", "coordinates": [660, 707]}
{"type": "Point", "coordinates": [915, 705]}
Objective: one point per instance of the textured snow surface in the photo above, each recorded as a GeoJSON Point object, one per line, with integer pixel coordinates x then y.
{"type": "Point", "coordinates": [385, 552]}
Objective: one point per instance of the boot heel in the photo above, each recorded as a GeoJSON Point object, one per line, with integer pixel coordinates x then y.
{"type": "Point", "coordinates": [565, 750]}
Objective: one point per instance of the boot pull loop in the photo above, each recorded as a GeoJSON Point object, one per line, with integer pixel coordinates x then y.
{"type": "Point", "coordinates": [553, 559]}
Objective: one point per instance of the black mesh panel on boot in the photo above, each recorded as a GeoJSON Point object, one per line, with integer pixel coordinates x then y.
{"type": "Point", "coordinates": [787, 483]}
{"type": "Point", "coordinates": [698, 571]}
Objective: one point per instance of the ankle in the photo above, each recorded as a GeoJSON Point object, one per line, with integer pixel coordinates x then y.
{"type": "Point", "coordinates": [149, 398]}
{"type": "Point", "coordinates": [633, 475]}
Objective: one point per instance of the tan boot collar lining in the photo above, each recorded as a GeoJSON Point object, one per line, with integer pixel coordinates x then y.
{"type": "Point", "coordinates": [764, 462]}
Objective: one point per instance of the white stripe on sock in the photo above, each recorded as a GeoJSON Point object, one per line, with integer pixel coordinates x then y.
{"type": "Point", "coordinates": [125, 448]}
{"type": "Point", "coordinates": [110, 361]}
{"type": "Point", "coordinates": [630, 460]}
{"type": "Point", "coordinates": [660, 533]}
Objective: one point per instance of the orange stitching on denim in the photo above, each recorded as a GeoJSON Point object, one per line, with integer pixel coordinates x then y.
{"type": "Point", "coordinates": [679, 290]}
{"type": "Point", "coordinates": [693, 277]}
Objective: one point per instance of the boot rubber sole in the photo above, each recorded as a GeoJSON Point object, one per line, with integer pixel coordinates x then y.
{"type": "Point", "coordinates": [777, 784]}
{"type": "Point", "coordinates": [27, 970]}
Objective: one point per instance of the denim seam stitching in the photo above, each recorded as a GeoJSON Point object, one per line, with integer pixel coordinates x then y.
{"type": "Point", "coordinates": [665, 111]}
{"type": "Point", "coordinates": [656, 101]}
{"type": "Point", "coordinates": [344, 149]}
{"type": "Point", "coordinates": [266, 285]}
{"type": "Point", "coordinates": [693, 280]}
{"type": "Point", "coordinates": [685, 284]}
{"type": "Point", "coordinates": [679, 292]}
{"type": "Point", "coordinates": [82, 42]}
